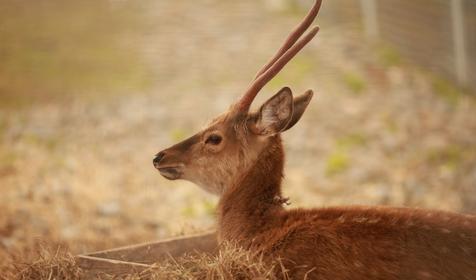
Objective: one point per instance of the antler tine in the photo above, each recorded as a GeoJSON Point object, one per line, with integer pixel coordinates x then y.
{"type": "Point", "coordinates": [272, 71]}
{"type": "Point", "coordinates": [287, 51]}
{"type": "Point", "coordinates": [293, 36]}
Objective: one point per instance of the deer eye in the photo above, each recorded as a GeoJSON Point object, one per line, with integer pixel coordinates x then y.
{"type": "Point", "coordinates": [213, 139]}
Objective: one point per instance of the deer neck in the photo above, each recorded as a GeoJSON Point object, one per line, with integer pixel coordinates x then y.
{"type": "Point", "coordinates": [251, 205]}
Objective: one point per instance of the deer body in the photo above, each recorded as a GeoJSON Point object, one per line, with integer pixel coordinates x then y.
{"type": "Point", "coordinates": [240, 157]}
{"type": "Point", "coordinates": [344, 242]}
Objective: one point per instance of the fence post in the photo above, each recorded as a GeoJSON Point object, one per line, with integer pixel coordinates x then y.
{"type": "Point", "coordinates": [370, 18]}
{"type": "Point", "coordinates": [459, 44]}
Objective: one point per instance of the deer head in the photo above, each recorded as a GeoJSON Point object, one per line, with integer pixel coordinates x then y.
{"type": "Point", "coordinates": [217, 156]}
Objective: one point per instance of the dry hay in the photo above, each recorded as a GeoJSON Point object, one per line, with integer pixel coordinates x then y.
{"type": "Point", "coordinates": [49, 263]}
{"type": "Point", "coordinates": [230, 263]}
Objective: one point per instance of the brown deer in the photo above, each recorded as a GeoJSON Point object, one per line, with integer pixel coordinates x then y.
{"type": "Point", "coordinates": [240, 157]}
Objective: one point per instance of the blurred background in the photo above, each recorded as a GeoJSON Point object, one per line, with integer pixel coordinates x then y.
{"type": "Point", "coordinates": [90, 90]}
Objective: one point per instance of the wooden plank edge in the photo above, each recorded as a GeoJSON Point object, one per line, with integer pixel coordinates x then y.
{"type": "Point", "coordinates": [94, 266]}
{"type": "Point", "coordinates": [146, 244]}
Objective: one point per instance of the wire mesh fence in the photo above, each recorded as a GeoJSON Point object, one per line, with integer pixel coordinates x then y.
{"type": "Point", "coordinates": [439, 35]}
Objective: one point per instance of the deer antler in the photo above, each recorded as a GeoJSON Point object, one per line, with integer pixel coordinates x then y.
{"type": "Point", "coordinates": [287, 51]}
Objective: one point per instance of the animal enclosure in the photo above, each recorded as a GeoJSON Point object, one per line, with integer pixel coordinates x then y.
{"type": "Point", "coordinates": [440, 35]}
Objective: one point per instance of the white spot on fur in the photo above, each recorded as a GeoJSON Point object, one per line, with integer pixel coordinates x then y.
{"type": "Point", "coordinates": [359, 220]}
{"type": "Point", "coordinates": [341, 219]}
{"type": "Point", "coordinates": [445, 230]}
{"type": "Point", "coordinates": [373, 221]}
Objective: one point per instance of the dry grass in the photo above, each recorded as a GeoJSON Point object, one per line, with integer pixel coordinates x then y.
{"type": "Point", "coordinates": [230, 263]}
{"type": "Point", "coordinates": [48, 263]}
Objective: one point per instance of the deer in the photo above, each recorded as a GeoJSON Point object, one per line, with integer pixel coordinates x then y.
{"type": "Point", "coordinates": [239, 156]}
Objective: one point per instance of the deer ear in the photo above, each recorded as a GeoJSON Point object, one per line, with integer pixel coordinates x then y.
{"type": "Point", "coordinates": [274, 115]}
{"type": "Point", "coordinates": [300, 105]}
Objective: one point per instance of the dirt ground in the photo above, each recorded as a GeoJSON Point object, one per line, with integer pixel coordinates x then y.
{"type": "Point", "coordinates": [78, 171]}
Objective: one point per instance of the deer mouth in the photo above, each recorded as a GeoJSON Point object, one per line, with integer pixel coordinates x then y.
{"type": "Point", "coordinates": [170, 172]}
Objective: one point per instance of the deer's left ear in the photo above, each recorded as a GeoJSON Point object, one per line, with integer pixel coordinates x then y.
{"type": "Point", "coordinates": [274, 115]}
{"type": "Point", "coordinates": [299, 104]}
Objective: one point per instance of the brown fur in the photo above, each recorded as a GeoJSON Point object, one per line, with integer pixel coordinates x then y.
{"type": "Point", "coordinates": [344, 242]}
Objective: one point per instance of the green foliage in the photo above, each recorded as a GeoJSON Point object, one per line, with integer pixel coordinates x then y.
{"type": "Point", "coordinates": [390, 124]}
{"type": "Point", "coordinates": [3, 127]}
{"type": "Point", "coordinates": [49, 143]}
{"type": "Point", "coordinates": [354, 82]}
{"type": "Point", "coordinates": [447, 91]}
{"type": "Point", "coordinates": [337, 162]}
{"type": "Point", "coordinates": [189, 211]}
{"type": "Point", "coordinates": [210, 207]}
{"type": "Point", "coordinates": [57, 47]}
{"type": "Point", "coordinates": [178, 134]}
{"type": "Point", "coordinates": [7, 158]}
{"type": "Point", "coordinates": [289, 8]}
{"type": "Point", "coordinates": [192, 210]}
{"type": "Point", "coordinates": [389, 57]}
{"type": "Point", "coordinates": [351, 140]}
{"type": "Point", "coordinates": [449, 157]}
{"type": "Point", "coordinates": [295, 71]}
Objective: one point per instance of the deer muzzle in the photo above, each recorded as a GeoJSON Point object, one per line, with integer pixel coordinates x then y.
{"type": "Point", "coordinates": [171, 172]}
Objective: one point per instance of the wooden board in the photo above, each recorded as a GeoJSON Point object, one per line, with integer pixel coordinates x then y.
{"type": "Point", "coordinates": [137, 258]}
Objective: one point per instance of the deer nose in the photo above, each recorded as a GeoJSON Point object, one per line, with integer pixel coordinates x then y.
{"type": "Point", "coordinates": [158, 158]}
